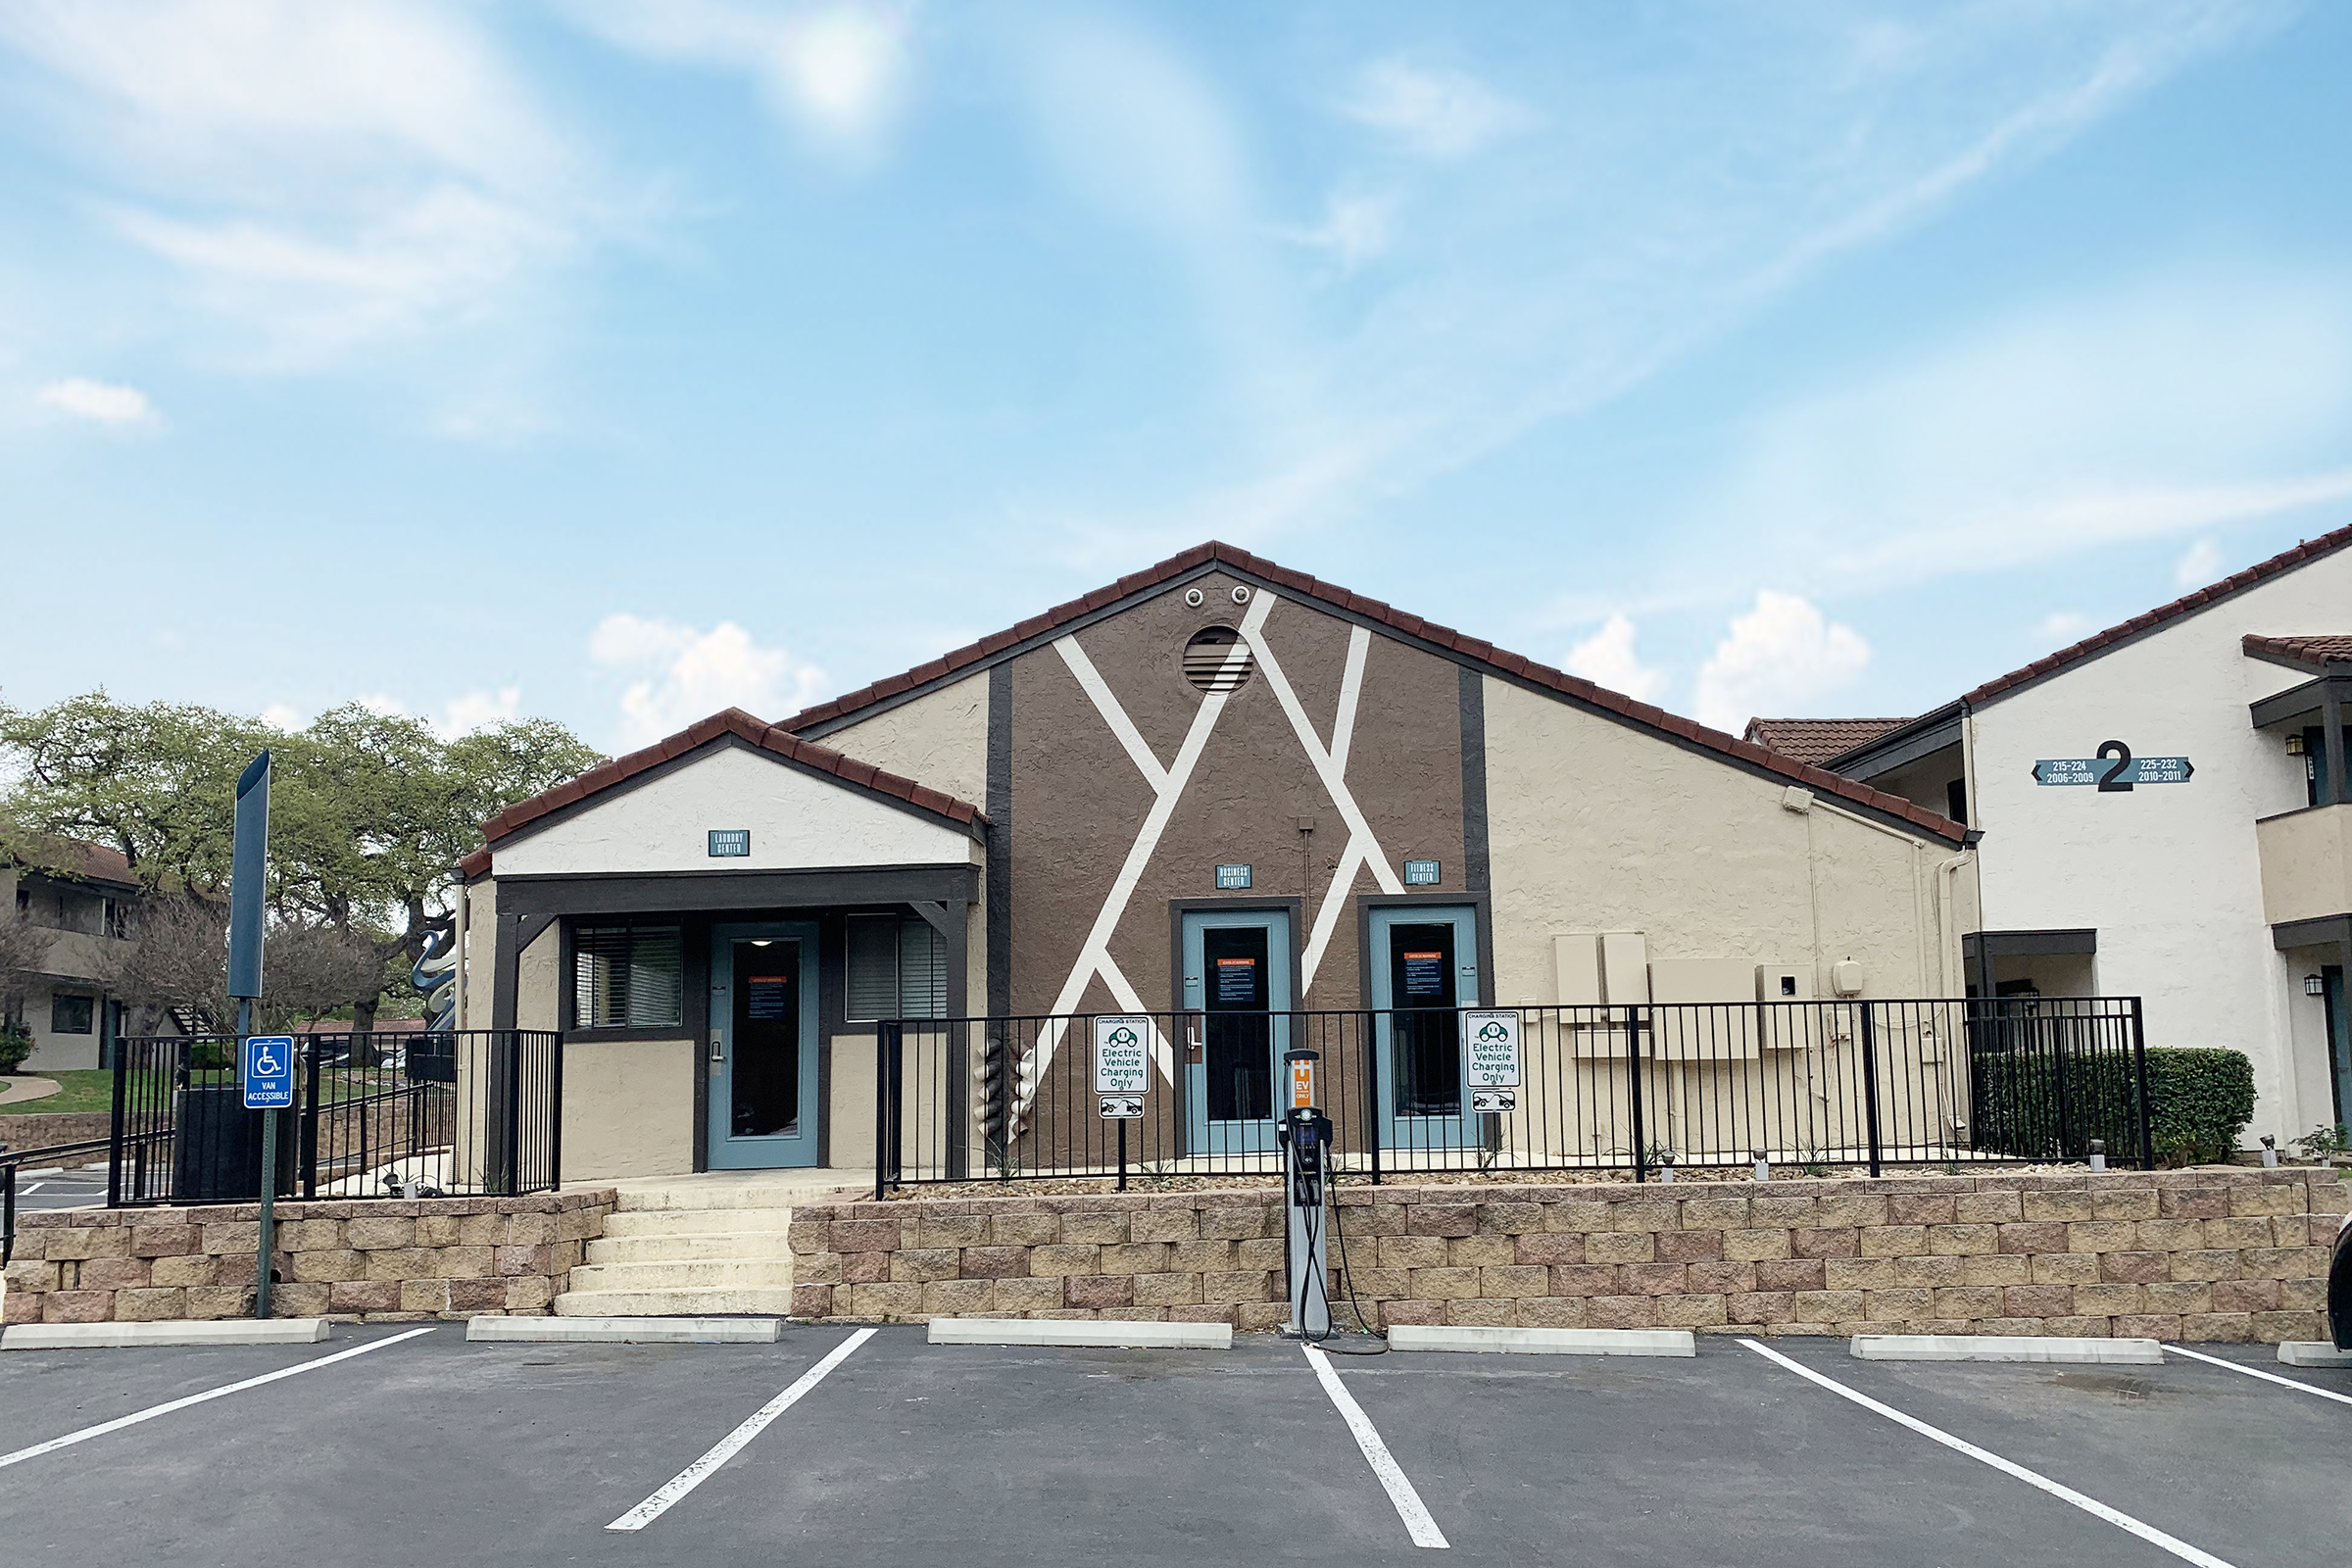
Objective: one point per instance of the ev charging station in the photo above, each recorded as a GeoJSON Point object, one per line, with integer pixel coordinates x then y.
{"type": "Point", "coordinates": [1305, 1138]}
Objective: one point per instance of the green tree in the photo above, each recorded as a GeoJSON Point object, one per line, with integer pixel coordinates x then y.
{"type": "Point", "coordinates": [369, 815]}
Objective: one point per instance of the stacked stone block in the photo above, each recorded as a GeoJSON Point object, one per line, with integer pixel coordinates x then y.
{"type": "Point", "coordinates": [2210, 1255]}
{"type": "Point", "coordinates": [378, 1261]}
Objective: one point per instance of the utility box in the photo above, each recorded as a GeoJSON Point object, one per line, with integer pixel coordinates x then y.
{"type": "Point", "coordinates": [1623, 968]}
{"type": "Point", "coordinates": [1783, 982]}
{"type": "Point", "coordinates": [1846, 977]}
{"type": "Point", "coordinates": [1725, 1030]}
{"type": "Point", "coordinates": [1576, 963]}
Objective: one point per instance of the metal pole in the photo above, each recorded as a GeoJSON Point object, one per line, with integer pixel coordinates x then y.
{"type": "Point", "coordinates": [1122, 1153]}
{"type": "Point", "coordinates": [113, 1136]}
{"type": "Point", "coordinates": [307, 1153]}
{"type": "Point", "coordinates": [514, 1043]}
{"type": "Point", "coordinates": [265, 1245]}
{"type": "Point", "coordinates": [1367, 1045]}
{"type": "Point", "coordinates": [1633, 1077]}
{"type": "Point", "coordinates": [881, 1103]}
{"type": "Point", "coordinates": [554, 1113]}
{"type": "Point", "coordinates": [2139, 1066]}
{"type": "Point", "coordinates": [1869, 1083]}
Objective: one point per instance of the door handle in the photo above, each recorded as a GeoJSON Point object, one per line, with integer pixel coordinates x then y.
{"type": "Point", "coordinates": [718, 1047]}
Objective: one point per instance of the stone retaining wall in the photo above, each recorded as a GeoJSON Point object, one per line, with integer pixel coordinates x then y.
{"type": "Point", "coordinates": [38, 1129]}
{"type": "Point", "coordinates": [2209, 1253]}
{"type": "Point", "coordinates": [376, 1260]}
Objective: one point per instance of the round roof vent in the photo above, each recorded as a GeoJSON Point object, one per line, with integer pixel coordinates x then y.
{"type": "Point", "coordinates": [1216, 659]}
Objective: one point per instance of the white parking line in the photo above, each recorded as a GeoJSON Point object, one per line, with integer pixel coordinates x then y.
{"type": "Point", "coordinates": [1417, 1522]}
{"type": "Point", "coordinates": [2257, 1372]}
{"type": "Point", "coordinates": [149, 1414]}
{"type": "Point", "coordinates": [694, 1473]}
{"type": "Point", "coordinates": [2008, 1467]}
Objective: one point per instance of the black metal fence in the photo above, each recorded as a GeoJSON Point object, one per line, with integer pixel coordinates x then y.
{"type": "Point", "coordinates": [1804, 1084]}
{"type": "Point", "coordinates": [445, 1113]}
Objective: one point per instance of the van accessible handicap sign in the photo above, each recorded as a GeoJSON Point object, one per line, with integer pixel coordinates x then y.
{"type": "Point", "coordinates": [269, 1063]}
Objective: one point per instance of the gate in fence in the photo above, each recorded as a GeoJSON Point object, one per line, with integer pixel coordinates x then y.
{"type": "Point", "coordinates": [445, 1113]}
{"type": "Point", "coordinates": [1808, 1084]}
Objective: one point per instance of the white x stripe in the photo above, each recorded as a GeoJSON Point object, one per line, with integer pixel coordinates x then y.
{"type": "Point", "coordinates": [1168, 784]}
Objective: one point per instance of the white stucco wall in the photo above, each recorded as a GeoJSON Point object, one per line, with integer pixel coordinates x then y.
{"type": "Point", "coordinates": [939, 739]}
{"type": "Point", "coordinates": [2168, 874]}
{"type": "Point", "coordinates": [797, 820]}
{"type": "Point", "coordinates": [1595, 826]}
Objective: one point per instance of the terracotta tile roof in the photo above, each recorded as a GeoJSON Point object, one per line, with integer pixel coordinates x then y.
{"type": "Point", "coordinates": [2314, 653]}
{"type": "Point", "coordinates": [2309, 550]}
{"type": "Point", "coordinates": [1641, 714]}
{"type": "Point", "coordinates": [1817, 740]}
{"type": "Point", "coordinates": [76, 859]}
{"type": "Point", "coordinates": [734, 721]}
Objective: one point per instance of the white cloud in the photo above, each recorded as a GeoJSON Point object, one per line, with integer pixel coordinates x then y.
{"type": "Point", "coordinates": [1778, 658]}
{"type": "Point", "coordinates": [682, 674]}
{"type": "Point", "coordinates": [1607, 659]}
{"type": "Point", "coordinates": [100, 401]}
{"type": "Point", "coordinates": [836, 71]}
{"type": "Point", "coordinates": [322, 173]}
{"type": "Point", "coordinates": [282, 717]}
{"type": "Point", "coordinates": [2199, 565]}
{"type": "Point", "coordinates": [1438, 114]}
{"type": "Point", "coordinates": [471, 711]}
{"type": "Point", "coordinates": [2176, 405]}
{"type": "Point", "coordinates": [1354, 228]}
{"type": "Point", "coordinates": [2063, 628]}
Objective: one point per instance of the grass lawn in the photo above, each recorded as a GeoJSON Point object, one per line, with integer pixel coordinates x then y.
{"type": "Point", "coordinates": [90, 1089]}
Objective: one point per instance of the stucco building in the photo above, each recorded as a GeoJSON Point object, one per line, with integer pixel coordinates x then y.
{"type": "Point", "coordinates": [81, 908]}
{"type": "Point", "coordinates": [2212, 876]}
{"type": "Point", "coordinates": [1213, 782]}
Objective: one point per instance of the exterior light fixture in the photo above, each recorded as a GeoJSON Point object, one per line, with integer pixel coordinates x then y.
{"type": "Point", "coordinates": [762, 941]}
{"type": "Point", "coordinates": [2098, 1154]}
{"type": "Point", "coordinates": [2314, 986]}
{"type": "Point", "coordinates": [2270, 1153]}
{"type": "Point", "coordinates": [1763, 1164]}
{"type": "Point", "coordinates": [2294, 743]}
{"type": "Point", "coordinates": [1665, 1157]}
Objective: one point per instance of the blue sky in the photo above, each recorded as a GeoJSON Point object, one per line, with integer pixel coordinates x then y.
{"type": "Point", "coordinates": [617, 363]}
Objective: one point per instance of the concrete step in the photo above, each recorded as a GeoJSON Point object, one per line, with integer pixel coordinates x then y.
{"type": "Point", "coordinates": [728, 1272]}
{"type": "Point", "coordinates": [765, 1196]}
{"type": "Point", "coordinates": [705, 1300]}
{"type": "Point", "coordinates": [695, 1221]}
{"type": "Point", "coordinates": [688, 1246]}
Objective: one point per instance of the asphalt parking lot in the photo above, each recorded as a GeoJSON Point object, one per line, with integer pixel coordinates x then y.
{"type": "Point", "coordinates": [427, 1448]}
{"type": "Point", "coordinates": [52, 1188]}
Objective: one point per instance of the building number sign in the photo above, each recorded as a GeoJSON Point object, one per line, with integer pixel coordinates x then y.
{"type": "Point", "coordinates": [2114, 770]}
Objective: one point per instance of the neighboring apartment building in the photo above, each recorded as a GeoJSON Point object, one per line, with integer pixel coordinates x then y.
{"type": "Point", "coordinates": [2163, 813]}
{"type": "Point", "coordinates": [84, 904]}
{"type": "Point", "coordinates": [1215, 770]}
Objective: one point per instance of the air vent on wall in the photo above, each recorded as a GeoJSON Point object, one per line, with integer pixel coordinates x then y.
{"type": "Point", "coordinates": [1216, 659]}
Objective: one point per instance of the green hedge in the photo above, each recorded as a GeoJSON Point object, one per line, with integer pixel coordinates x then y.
{"type": "Point", "coordinates": [2202, 1099]}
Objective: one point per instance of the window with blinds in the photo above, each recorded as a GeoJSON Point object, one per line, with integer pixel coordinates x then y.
{"type": "Point", "coordinates": [628, 977]}
{"type": "Point", "coordinates": [897, 968]}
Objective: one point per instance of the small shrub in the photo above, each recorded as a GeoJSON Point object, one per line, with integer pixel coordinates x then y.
{"type": "Point", "coordinates": [2202, 1099]}
{"type": "Point", "coordinates": [15, 1044]}
{"type": "Point", "coordinates": [2324, 1143]}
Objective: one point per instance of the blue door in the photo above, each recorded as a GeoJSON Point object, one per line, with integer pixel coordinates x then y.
{"type": "Point", "coordinates": [763, 1049]}
{"type": "Point", "coordinates": [1424, 966]}
{"type": "Point", "coordinates": [2339, 1044]}
{"type": "Point", "coordinates": [1235, 988]}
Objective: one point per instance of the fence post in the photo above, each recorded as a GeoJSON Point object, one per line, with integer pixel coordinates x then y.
{"type": "Point", "coordinates": [1870, 1084]}
{"type": "Point", "coordinates": [1633, 1077]}
{"type": "Point", "coordinates": [113, 1136]}
{"type": "Point", "coordinates": [2139, 1068]}
{"type": "Point", "coordinates": [308, 1150]}
{"type": "Point", "coordinates": [554, 1113]}
{"type": "Point", "coordinates": [513, 1044]}
{"type": "Point", "coordinates": [881, 1106]}
{"type": "Point", "coordinates": [1368, 1048]}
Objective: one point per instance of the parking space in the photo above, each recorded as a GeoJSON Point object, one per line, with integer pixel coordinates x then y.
{"type": "Point", "coordinates": [432, 1447]}
{"type": "Point", "coordinates": [53, 1188]}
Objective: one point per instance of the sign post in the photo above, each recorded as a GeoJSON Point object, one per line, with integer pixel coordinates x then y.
{"type": "Point", "coordinates": [1122, 1073]}
{"type": "Point", "coordinates": [1490, 1052]}
{"type": "Point", "coordinates": [249, 855]}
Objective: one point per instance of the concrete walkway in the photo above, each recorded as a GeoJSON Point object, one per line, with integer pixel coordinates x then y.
{"type": "Point", "coordinates": [726, 1188]}
{"type": "Point", "coordinates": [16, 1091]}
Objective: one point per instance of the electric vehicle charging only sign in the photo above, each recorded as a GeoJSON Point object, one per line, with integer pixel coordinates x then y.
{"type": "Point", "coordinates": [1491, 1047]}
{"type": "Point", "coordinates": [1122, 1055]}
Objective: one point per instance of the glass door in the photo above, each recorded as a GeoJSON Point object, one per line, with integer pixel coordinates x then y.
{"type": "Point", "coordinates": [1236, 983]}
{"type": "Point", "coordinates": [763, 1046]}
{"type": "Point", "coordinates": [1424, 966]}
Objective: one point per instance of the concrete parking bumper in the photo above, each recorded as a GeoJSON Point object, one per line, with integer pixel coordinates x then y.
{"type": "Point", "coordinates": [94, 1336]}
{"type": "Point", "coordinates": [1542, 1342]}
{"type": "Point", "coordinates": [2005, 1347]}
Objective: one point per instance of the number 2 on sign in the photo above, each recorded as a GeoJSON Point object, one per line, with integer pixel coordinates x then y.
{"type": "Point", "coordinates": [2112, 781]}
